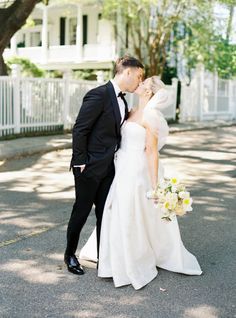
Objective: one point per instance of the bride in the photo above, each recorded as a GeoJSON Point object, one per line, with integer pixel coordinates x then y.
{"type": "Point", "coordinates": [135, 240]}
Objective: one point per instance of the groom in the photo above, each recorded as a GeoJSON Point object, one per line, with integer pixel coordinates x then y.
{"type": "Point", "coordinates": [96, 137]}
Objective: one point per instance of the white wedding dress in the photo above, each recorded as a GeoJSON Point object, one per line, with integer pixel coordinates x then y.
{"type": "Point", "coordinates": [135, 240]}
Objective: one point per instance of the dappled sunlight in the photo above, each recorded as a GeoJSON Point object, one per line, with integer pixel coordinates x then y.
{"type": "Point", "coordinates": [41, 183]}
{"type": "Point", "coordinates": [2, 163]}
{"type": "Point", "coordinates": [203, 311]}
{"type": "Point", "coordinates": [216, 218]}
{"type": "Point", "coordinates": [8, 215]}
{"type": "Point", "coordinates": [56, 256]}
{"type": "Point", "coordinates": [31, 272]}
{"type": "Point", "coordinates": [216, 209]}
{"type": "Point", "coordinates": [27, 223]}
{"type": "Point", "coordinates": [85, 313]}
{"type": "Point", "coordinates": [36, 197]}
{"type": "Point", "coordinates": [137, 300]}
{"type": "Point", "coordinates": [209, 155]}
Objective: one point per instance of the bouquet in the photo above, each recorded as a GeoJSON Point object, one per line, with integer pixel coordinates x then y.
{"type": "Point", "coordinates": [171, 197]}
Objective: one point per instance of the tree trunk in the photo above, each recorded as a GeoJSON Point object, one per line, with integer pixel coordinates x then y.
{"type": "Point", "coordinates": [11, 20]}
{"type": "Point", "coordinates": [230, 21]}
{"type": "Point", "coordinates": [3, 67]}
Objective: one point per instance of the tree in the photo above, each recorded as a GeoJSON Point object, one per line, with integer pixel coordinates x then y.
{"type": "Point", "coordinates": [149, 26]}
{"type": "Point", "coordinates": [13, 15]}
{"type": "Point", "coordinates": [162, 31]}
{"type": "Point", "coordinates": [204, 42]}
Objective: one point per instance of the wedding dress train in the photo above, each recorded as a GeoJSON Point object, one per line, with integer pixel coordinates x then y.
{"type": "Point", "coordinates": [135, 240]}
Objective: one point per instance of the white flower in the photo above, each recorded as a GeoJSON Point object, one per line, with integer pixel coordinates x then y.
{"type": "Point", "coordinates": [174, 188]}
{"type": "Point", "coordinates": [163, 184]}
{"type": "Point", "coordinates": [179, 210]}
{"type": "Point", "coordinates": [187, 204]}
{"type": "Point", "coordinates": [161, 194]}
{"type": "Point", "coordinates": [171, 197]}
{"type": "Point", "coordinates": [180, 187]}
{"type": "Point", "coordinates": [151, 194]}
{"type": "Point", "coordinates": [184, 195]}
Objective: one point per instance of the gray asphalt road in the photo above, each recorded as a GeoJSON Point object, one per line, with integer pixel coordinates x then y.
{"type": "Point", "coordinates": [35, 203]}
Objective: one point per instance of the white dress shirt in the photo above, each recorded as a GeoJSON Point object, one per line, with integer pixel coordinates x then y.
{"type": "Point", "coordinates": [119, 100]}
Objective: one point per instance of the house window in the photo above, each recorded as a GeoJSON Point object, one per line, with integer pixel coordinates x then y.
{"type": "Point", "coordinates": [62, 31]}
{"type": "Point", "coordinates": [35, 39]}
{"type": "Point", "coordinates": [38, 21]}
{"type": "Point", "coordinates": [85, 29]}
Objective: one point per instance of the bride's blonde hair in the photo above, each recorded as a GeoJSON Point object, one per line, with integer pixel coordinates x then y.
{"type": "Point", "coordinates": [155, 84]}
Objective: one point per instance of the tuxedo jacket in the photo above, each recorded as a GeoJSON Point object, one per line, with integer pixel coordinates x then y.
{"type": "Point", "coordinates": [96, 133]}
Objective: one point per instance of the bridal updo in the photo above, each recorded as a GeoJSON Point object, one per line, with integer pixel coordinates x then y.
{"type": "Point", "coordinates": [155, 84]}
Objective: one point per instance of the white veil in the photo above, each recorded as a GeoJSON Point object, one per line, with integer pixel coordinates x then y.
{"type": "Point", "coordinates": [153, 117]}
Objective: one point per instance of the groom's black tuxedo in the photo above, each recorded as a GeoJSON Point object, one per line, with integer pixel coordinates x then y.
{"type": "Point", "coordinates": [96, 133]}
{"type": "Point", "coordinates": [96, 136]}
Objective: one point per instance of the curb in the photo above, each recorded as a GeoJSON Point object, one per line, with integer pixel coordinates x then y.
{"type": "Point", "coordinates": [9, 152]}
{"type": "Point", "coordinates": [9, 155]}
{"type": "Point", "coordinates": [200, 126]}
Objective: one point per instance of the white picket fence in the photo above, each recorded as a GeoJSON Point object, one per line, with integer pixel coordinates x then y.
{"type": "Point", "coordinates": [208, 97]}
{"type": "Point", "coordinates": [38, 104]}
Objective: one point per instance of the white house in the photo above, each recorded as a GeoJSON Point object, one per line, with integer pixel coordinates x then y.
{"type": "Point", "coordinates": [66, 36]}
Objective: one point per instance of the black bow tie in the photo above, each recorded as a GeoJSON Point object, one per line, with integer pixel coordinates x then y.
{"type": "Point", "coordinates": [122, 95]}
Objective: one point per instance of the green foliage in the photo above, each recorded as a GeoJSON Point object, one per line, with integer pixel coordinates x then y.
{"type": "Point", "coordinates": [159, 31]}
{"type": "Point", "coordinates": [223, 59]}
{"type": "Point", "coordinates": [28, 68]}
{"type": "Point", "coordinates": [149, 26]}
{"type": "Point", "coordinates": [90, 74]}
{"type": "Point", "coordinates": [204, 44]}
{"type": "Point", "coordinates": [54, 74]}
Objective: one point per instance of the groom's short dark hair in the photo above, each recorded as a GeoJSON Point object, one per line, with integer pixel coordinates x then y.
{"type": "Point", "coordinates": [126, 61]}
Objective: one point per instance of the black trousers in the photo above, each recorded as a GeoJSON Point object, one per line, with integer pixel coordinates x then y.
{"type": "Point", "coordinates": [88, 191]}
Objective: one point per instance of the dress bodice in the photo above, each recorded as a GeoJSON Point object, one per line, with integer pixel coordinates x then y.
{"type": "Point", "coordinates": [133, 137]}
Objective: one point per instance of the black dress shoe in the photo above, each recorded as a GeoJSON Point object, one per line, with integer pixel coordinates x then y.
{"type": "Point", "coordinates": [73, 265]}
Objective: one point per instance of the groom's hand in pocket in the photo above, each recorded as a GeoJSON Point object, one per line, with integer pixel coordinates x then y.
{"type": "Point", "coordinates": [80, 168]}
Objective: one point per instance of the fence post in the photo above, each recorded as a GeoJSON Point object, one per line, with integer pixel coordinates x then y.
{"type": "Point", "coordinates": [66, 110]}
{"type": "Point", "coordinates": [100, 77]}
{"type": "Point", "coordinates": [230, 99]}
{"type": "Point", "coordinates": [16, 97]}
{"type": "Point", "coordinates": [182, 106]}
{"type": "Point", "coordinates": [174, 83]}
{"type": "Point", "coordinates": [200, 71]}
{"type": "Point", "coordinates": [216, 80]}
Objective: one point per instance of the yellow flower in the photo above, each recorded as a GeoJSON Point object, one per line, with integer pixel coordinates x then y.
{"type": "Point", "coordinates": [174, 181]}
{"type": "Point", "coordinates": [186, 201]}
{"type": "Point", "coordinates": [166, 205]}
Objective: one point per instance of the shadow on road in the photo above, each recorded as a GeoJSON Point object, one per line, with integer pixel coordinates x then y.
{"type": "Point", "coordinates": [37, 193]}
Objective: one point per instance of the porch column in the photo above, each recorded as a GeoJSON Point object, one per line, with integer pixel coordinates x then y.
{"type": "Point", "coordinates": [45, 35]}
{"type": "Point", "coordinates": [79, 34]}
{"type": "Point", "coordinates": [14, 44]}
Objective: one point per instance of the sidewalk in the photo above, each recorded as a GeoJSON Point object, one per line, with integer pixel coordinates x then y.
{"type": "Point", "coordinates": [21, 147]}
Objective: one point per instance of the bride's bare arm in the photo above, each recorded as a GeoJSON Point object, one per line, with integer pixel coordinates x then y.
{"type": "Point", "coordinates": [152, 156]}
